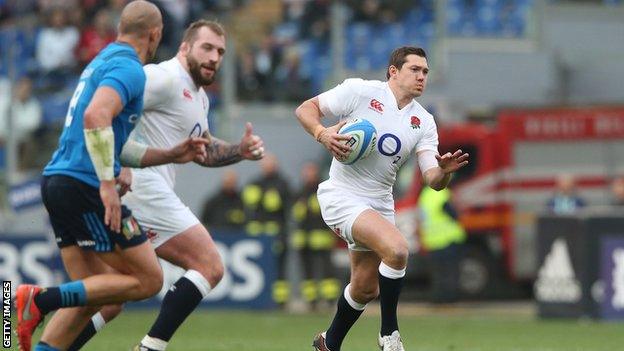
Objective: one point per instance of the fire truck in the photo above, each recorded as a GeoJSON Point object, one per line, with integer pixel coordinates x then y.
{"type": "Point", "coordinates": [512, 171]}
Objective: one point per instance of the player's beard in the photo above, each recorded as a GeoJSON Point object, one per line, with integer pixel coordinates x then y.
{"type": "Point", "coordinates": [195, 71]}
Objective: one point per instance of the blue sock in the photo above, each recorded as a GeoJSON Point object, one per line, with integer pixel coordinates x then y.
{"type": "Point", "coordinates": [65, 295]}
{"type": "Point", "coordinates": [42, 346]}
{"type": "Point", "coordinates": [73, 294]}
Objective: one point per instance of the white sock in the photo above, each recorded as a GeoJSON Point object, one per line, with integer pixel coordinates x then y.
{"type": "Point", "coordinates": [154, 343]}
{"type": "Point", "coordinates": [199, 281]}
{"type": "Point", "coordinates": [98, 321]}
{"type": "Point", "coordinates": [356, 305]}
{"type": "Point", "coordinates": [390, 272]}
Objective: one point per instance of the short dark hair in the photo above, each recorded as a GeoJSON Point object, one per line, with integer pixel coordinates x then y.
{"type": "Point", "coordinates": [190, 34]}
{"type": "Point", "coordinates": [398, 56]}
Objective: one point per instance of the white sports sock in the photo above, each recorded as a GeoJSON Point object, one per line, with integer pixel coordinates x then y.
{"type": "Point", "coordinates": [98, 321]}
{"type": "Point", "coordinates": [356, 305]}
{"type": "Point", "coordinates": [199, 281]}
{"type": "Point", "coordinates": [390, 272]}
{"type": "Point", "coordinates": [154, 343]}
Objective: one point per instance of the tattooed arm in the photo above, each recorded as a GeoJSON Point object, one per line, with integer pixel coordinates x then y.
{"type": "Point", "coordinates": [221, 153]}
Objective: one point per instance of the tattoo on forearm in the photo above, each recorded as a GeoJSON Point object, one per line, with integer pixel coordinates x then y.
{"type": "Point", "coordinates": [221, 153]}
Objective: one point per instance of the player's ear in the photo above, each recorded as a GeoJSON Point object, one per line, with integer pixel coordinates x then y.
{"type": "Point", "coordinates": [184, 47]}
{"type": "Point", "coordinates": [155, 34]}
{"type": "Point", "coordinates": [392, 70]}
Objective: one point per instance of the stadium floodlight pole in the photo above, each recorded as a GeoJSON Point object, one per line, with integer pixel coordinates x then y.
{"type": "Point", "coordinates": [338, 20]}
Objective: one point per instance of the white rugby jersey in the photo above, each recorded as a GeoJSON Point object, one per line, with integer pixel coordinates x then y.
{"type": "Point", "coordinates": [398, 133]}
{"type": "Point", "coordinates": [173, 109]}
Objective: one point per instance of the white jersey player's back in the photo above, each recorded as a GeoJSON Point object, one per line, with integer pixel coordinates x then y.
{"type": "Point", "coordinates": [399, 132]}
{"type": "Point", "coordinates": [174, 109]}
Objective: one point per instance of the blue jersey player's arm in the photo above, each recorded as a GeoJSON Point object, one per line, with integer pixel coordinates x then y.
{"type": "Point", "coordinates": [120, 85]}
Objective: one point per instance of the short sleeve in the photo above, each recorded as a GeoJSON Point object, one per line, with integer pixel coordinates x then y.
{"type": "Point", "coordinates": [158, 87]}
{"type": "Point", "coordinates": [429, 140]}
{"type": "Point", "coordinates": [126, 77]}
{"type": "Point", "coordinates": [342, 100]}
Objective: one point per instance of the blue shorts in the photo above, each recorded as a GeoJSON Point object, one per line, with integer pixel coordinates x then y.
{"type": "Point", "coordinates": [77, 216]}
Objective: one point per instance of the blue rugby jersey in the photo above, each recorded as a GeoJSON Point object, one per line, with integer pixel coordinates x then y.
{"type": "Point", "coordinates": [117, 66]}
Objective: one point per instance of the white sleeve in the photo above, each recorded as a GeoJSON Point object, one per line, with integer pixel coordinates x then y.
{"type": "Point", "coordinates": [158, 87]}
{"type": "Point", "coordinates": [429, 140]}
{"type": "Point", "coordinates": [426, 160]}
{"type": "Point", "coordinates": [341, 100]}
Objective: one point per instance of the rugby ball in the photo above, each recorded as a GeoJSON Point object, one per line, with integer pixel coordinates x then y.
{"type": "Point", "coordinates": [363, 139]}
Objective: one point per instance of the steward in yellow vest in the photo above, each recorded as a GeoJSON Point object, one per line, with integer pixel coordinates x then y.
{"type": "Point", "coordinates": [442, 236]}
{"type": "Point", "coordinates": [267, 202]}
{"type": "Point", "coordinates": [314, 242]}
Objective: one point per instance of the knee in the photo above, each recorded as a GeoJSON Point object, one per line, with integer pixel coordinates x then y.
{"type": "Point", "coordinates": [216, 273]}
{"type": "Point", "coordinates": [109, 312]}
{"type": "Point", "coordinates": [211, 269]}
{"type": "Point", "coordinates": [150, 285]}
{"type": "Point", "coordinates": [213, 272]}
{"type": "Point", "coordinates": [397, 255]}
{"type": "Point", "coordinates": [364, 293]}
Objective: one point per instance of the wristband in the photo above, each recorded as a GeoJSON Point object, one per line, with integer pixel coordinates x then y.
{"type": "Point", "coordinates": [101, 147]}
{"type": "Point", "coordinates": [317, 132]}
{"type": "Point", "coordinates": [132, 154]}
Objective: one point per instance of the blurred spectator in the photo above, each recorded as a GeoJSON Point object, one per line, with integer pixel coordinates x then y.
{"type": "Point", "coordinates": [266, 59]}
{"type": "Point", "coordinates": [114, 8]}
{"type": "Point", "coordinates": [47, 5]}
{"type": "Point", "coordinates": [267, 203]}
{"type": "Point", "coordinates": [175, 15]}
{"type": "Point", "coordinates": [443, 237]}
{"type": "Point", "coordinates": [314, 242]}
{"type": "Point", "coordinates": [5, 100]}
{"type": "Point", "coordinates": [293, 9]}
{"type": "Point", "coordinates": [367, 11]}
{"type": "Point", "coordinates": [293, 86]}
{"type": "Point", "coordinates": [565, 200]}
{"type": "Point", "coordinates": [26, 111]}
{"type": "Point", "coordinates": [95, 37]}
{"type": "Point", "coordinates": [315, 20]}
{"type": "Point", "coordinates": [617, 192]}
{"type": "Point", "coordinates": [57, 43]}
{"type": "Point", "coordinates": [248, 85]}
{"type": "Point", "coordinates": [224, 211]}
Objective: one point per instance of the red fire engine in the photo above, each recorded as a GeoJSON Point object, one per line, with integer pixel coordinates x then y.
{"type": "Point", "coordinates": [512, 171]}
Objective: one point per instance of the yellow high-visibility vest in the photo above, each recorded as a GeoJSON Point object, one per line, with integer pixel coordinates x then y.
{"type": "Point", "coordinates": [437, 228]}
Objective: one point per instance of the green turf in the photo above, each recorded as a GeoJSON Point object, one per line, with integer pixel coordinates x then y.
{"type": "Point", "coordinates": [258, 331]}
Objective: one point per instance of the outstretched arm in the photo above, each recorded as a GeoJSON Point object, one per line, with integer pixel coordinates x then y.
{"type": "Point", "coordinates": [220, 153]}
{"type": "Point", "coordinates": [438, 177]}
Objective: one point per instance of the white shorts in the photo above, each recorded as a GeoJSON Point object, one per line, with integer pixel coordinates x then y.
{"type": "Point", "coordinates": [340, 208]}
{"type": "Point", "coordinates": [157, 208]}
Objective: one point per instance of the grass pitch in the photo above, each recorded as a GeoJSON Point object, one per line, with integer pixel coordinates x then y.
{"type": "Point", "coordinates": [477, 330]}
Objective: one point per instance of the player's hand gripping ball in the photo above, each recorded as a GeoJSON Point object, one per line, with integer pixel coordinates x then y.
{"type": "Point", "coordinates": [363, 139]}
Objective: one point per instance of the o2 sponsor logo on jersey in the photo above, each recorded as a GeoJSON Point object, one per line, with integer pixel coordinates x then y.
{"type": "Point", "coordinates": [196, 131]}
{"type": "Point", "coordinates": [390, 145]}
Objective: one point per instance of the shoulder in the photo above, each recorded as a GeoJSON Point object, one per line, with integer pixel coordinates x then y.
{"type": "Point", "coordinates": [360, 85]}
{"type": "Point", "coordinates": [159, 72]}
{"type": "Point", "coordinates": [129, 64]}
